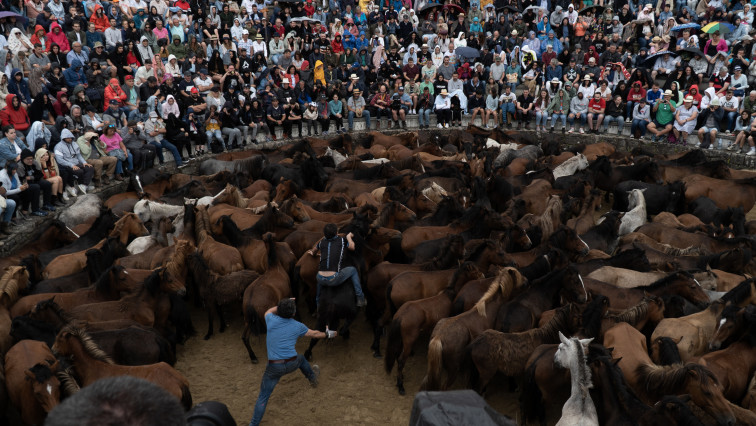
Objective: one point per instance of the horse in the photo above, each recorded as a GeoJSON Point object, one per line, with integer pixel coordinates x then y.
{"type": "Point", "coordinates": [218, 290]}
{"type": "Point", "coordinates": [659, 198]}
{"type": "Point", "coordinates": [451, 336]}
{"type": "Point", "coordinates": [99, 230]}
{"type": "Point", "coordinates": [636, 216]}
{"type": "Point", "coordinates": [548, 221]}
{"type": "Point", "coordinates": [262, 294]}
{"type": "Point", "coordinates": [603, 236]}
{"type": "Point", "coordinates": [90, 364]}
{"type": "Point", "coordinates": [680, 283]}
{"type": "Point", "coordinates": [147, 210]}
{"type": "Point", "coordinates": [221, 258]}
{"type": "Point", "coordinates": [522, 312]}
{"type": "Point", "coordinates": [579, 408]}
{"type": "Point", "coordinates": [569, 167]}
{"type": "Point", "coordinates": [671, 410]}
{"type": "Point", "coordinates": [664, 351]}
{"type": "Point", "coordinates": [73, 263]}
{"type": "Point", "coordinates": [251, 165]}
{"type": "Point", "coordinates": [652, 382]}
{"type": "Point", "coordinates": [33, 387]}
{"type": "Point", "coordinates": [493, 351]}
{"type": "Point", "coordinates": [157, 238]}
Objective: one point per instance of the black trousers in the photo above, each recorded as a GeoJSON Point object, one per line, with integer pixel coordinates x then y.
{"type": "Point", "coordinates": [339, 121]}
{"type": "Point", "coordinates": [29, 196]}
{"type": "Point", "coordinates": [443, 116]}
{"type": "Point", "coordinates": [83, 176]}
{"type": "Point", "coordinates": [46, 188]}
{"type": "Point", "coordinates": [325, 124]}
{"type": "Point", "coordinates": [385, 112]}
{"type": "Point", "coordinates": [286, 126]}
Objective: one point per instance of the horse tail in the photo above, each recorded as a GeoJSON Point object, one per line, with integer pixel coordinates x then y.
{"type": "Point", "coordinates": [531, 398]}
{"type": "Point", "coordinates": [255, 321]}
{"type": "Point", "coordinates": [167, 350]}
{"type": "Point", "coordinates": [391, 306]}
{"type": "Point", "coordinates": [181, 318]}
{"type": "Point", "coordinates": [435, 364]}
{"type": "Point", "coordinates": [393, 344]}
{"type": "Point", "coordinates": [186, 397]}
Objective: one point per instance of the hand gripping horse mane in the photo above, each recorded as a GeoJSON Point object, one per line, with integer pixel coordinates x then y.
{"type": "Point", "coordinates": [579, 409]}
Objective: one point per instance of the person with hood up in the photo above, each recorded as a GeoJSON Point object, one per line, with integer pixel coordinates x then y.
{"type": "Point", "coordinates": [62, 106]}
{"type": "Point", "coordinates": [154, 129]}
{"type": "Point", "coordinates": [28, 172]}
{"type": "Point", "coordinates": [19, 87]}
{"type": "Point", "coordinates": [40, 37]}
{"type": "Point", "coordinates": [3, 88]}
{"type": "Point", "coordinates": [57, 36]}
{"type": "Point", "coordinates": [99, 19]}
{"type": "Point", "coordinates": [14, 114]}
{"type": "Point", "coordinates": [75, 75]}
{"type": "Point", "coordinates": [559, 108]}
{"type": "Point", "coordinates": [71, 163]}
{"type": "Point", "coordinates": [18, 42]}
{"type": "Point", "coordinates": [113, 91]}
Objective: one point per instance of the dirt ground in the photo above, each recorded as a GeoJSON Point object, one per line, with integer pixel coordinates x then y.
{"type": "Point", "coordinates": [354, 388]}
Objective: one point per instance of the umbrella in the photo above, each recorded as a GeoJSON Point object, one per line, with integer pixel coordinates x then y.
{"type": "Point", "coordinates": [13, 15]}
{"type": "Point", "coordinates": [290, 1]}
{"type": "Point", "coordinates": [534, 8]}
{"type": "Point", "coordinates": [467, 52]}
{"type": "Point", "coordinates": [430, 6]}
{"type": "Point", "coordinates": [508, 7]}
{"type": "Point", "coordinates": [302, 19]}
{"type": "Point", "coordinates": [722, 27]}
{"type": "Point", "coordinates": [596, 9]}
{"type": "Point", "coordinates": [692, 50]}
{"type": "Point", "coordinates": [453, 8]}
{"type": "Point", "coordinates": [656, 55]}
{"type": "Point", "coordinates": [690, 25]}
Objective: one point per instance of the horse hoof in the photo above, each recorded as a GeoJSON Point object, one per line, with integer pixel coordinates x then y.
{"type": "Point", "coordinates": [207, 337]}
{"type": "Point", "coordinates": [377, 355]}
{"type": "Point", "coordinates": [401, 391]}
{"type": "Point", "coordinates": [255, 361]}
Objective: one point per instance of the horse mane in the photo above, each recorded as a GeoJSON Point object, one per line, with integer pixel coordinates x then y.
{"type": "Point", "coordinates": [102, 285]}
{"type": "Point", "coordinates": [66, 377]}
{"type": "Point", "coordinates": [42, 372]}
{"type": "Point", "coordinates": [250, 165]}
{"type": "Point", "coordinates": [669, 379]}
{"type": "Point", "coordinates": [739, 293]}
{"type": "Point", "coordinates": [384, 214]}
{"type": "Point", "coordinates": [57, 310]}
{"type": "Point", "coordinates": [89, 345]}
{"type": "Point", "coordinates": [629, 400]}
{"type": "Point", "coordinates": [499, 284]}
{"type": "Point", "coordinates": [9, 286]}
{"type": "Point", "coordinates": [584, 373]}
{"type": "Point", "coordinates": [592, 316]}
{"type": "Point", "coordinates": [446, 256]}
{"type": "Point", "coordinates": [669, 354]}
{"type": "Point", "coordinates": [234, 194]}
{"type": "Point", "coordinates": [559, 322]}
{"type": "Point", "coordinates": [176, 264]}
{"type": "Point", "coordinates": [666, 280]}
{"type": "Point", "coordinates": [478, 250]}
{"type": "Point", "coordinates": [270, 245]}
{"type": "Point", "coordinates": [634, 314]}
{"type": "Point", "coordinates": [153, 281]}
{"type": "Point", "coordinates": [120, 223]}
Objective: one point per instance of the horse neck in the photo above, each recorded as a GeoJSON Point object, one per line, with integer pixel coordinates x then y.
{"type": "Point", "coordinates": [87, 367]}
{"type": "Point", "coordinates": [580, 382]}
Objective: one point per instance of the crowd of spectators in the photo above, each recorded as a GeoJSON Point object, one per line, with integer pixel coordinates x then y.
{"type": "Point", "coordinates": [90, 90]}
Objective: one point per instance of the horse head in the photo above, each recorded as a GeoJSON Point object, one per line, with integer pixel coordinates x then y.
{"type": "Point", "coordinates": [45, 384]}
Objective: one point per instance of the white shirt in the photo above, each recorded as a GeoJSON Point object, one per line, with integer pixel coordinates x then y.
{"type": "Point", "coordinates": [138, 4]}
{"type": "Point", "coordinates": [113, 36]}
{"type": "Point", "coordinates": [442, 102]}
{"type": "Point", "coordinates": [732, 103]}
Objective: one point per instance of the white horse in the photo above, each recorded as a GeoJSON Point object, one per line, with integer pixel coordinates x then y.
{"type": "Point", "coordinates": [636, 217]}
{"type": "Point", "coordinates": [147, 210]}
{"type": "Point", "coordinates": [376, 161]}
{"type": "Point", "coordinates": [435, 192]}
{"type": "Point", "coordinates": [571, 166]}
{"type": "Point", "coordinates": [338, 158]}
{"type": "Point", "coordinates": [206, 200]}
{"type": "Point", "coordinates": [86, 206]}
{"type": "Point", "coordinates": [490, 143]}
{"type": "Point", "coordinates": [579, 410]}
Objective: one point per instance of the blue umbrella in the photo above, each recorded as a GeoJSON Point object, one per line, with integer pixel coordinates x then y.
{"type": "Point", "coordinates": [690, 25]}
{"type": "Point", "coordinates": [467, 52]}
{"type": "Point", "coordinates": [13, 15]}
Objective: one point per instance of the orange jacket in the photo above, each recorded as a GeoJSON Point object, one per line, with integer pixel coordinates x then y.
{"type": "Point", "coordinates": [117, 93]}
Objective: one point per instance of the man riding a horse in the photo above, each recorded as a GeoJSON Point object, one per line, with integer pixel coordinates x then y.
{"type": "Point", "coordinates": [330, 273]}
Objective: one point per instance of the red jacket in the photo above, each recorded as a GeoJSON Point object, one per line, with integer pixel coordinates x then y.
{"type": "Point", "coordinates": [18, 118]}
{"type": "Point", "coordinates": [117, 93]}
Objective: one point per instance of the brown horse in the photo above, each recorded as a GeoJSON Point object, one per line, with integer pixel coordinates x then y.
{"type": "Point", "coordinates": [288, 188]}
{"type": "Point", "coordinates": [725, 193]}
{"type": "Point", "coordinates": [271, 218]}
{"type": "Point", "coordinates": [33, 388]}
{"type": "Point", "coordinates": [493, 351]}
{"type": "Point", "coordinates": [586, 219]}
{"type": "Point", "coordinates": [677, 283]}
{"type": "Point", "coordinates": [418, 316]}
{"type": "Point", "coordinates": [394, 215]}
{"type": "Point", "coordinates": [90, 364]}
{"type": "Point", "coordinates": [451, 336]}
{"type": "Point", "coordinates": [652, 382]}
{"type": "Point", "coordinates": [548, 221]}
{"type": "Point", "coordinates": [415, 235]}
{"type": "Point", "coordinates": [264, 293]}
{"type": "Point", "coordinates": [221, 258]}
{"type": "Point", "coordinates": [696, 330]}
{"type": "Point", "coordinates": [387, 141]}
{"type": "Point", "coordinates": [295, 208]}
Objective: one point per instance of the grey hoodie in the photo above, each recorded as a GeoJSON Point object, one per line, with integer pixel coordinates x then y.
{"type": "Point", "coordinates": [579, 106]}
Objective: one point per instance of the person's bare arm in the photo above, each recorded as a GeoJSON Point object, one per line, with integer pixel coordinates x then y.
{"type": "Point", "coordinates": [350, 242]}
{"type": "Point", "coordinates": [314, 250]}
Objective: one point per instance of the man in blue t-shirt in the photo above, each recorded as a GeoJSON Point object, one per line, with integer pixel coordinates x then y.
{"type": "Point", "coordinates": [283, 332]}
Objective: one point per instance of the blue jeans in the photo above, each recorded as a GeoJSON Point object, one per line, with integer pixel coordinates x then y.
{"type": "Point", "coordinates": [639, 125]}
{"type": "Point", "coordinates": [119, 163]}
{"type": "Point", "coordinates": [629, 108]}
{"type": "Point", "coordinates": [10, 207]}
{"type": "Point", "coordinates": [508, 107]}
{"type": "Point", "coordinates": [350, 119]}
{"type": "Point", "coordinates": [556, 116]}
{"type": "Point", "coordinates": [209, 133]}
{"type": "Point", "coordinates": [338, 278]}
{"type": "Point", "coordinates": [542, 117]}
{"type": "Point", "coordinates": [731, 117]}
{"type": "Point", "coordinates": [578, 116]}
{"type": "Point", "coordinates": [619, 120]}
{"type": "Point", "coordinates": [273, 373]}
{"type": "Point", "coordinates": [170, 147]}
{"type": "Point", "coordinates": [423, 116]}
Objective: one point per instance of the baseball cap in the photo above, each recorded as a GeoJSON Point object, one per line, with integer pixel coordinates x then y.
{"type": "Point", "coordinates": [194, 90]}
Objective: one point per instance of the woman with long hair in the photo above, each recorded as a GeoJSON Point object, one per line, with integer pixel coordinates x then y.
{"type": "Point", "coordinates": [114, 147]}
{"type": "Point", "coordinates": [541, 108]}
{"type": "Point", "coordinates": [48, 167]}
{"type": "Point", "coordinates": [37, 81]}
{"type": "Point", "coordinates": [56, 55]}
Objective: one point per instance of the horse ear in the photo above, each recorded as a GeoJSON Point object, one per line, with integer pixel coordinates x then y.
{"type": "Point", "coordinates": [563, 339]}
{"type": "Point", "coordinates": [586, 343]}
{"type": "Point", "coordinates": [29, 375]}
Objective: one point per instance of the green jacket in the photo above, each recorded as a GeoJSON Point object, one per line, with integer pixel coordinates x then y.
{"type": "Point", "coordinates": [555, 103]}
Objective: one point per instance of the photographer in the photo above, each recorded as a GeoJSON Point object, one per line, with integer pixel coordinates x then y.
{"type": "Point", "coordinates": [664, 114]}
{"type": "Point", "coordinates": [400, 105]}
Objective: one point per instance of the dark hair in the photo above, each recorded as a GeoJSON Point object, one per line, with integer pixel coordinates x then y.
{"type": "Point", "coordinates": [330, 230]}
{"type": "Point", "coordinates": [119, 400]}
{"type": "Point", "coordinates": [286, 308]}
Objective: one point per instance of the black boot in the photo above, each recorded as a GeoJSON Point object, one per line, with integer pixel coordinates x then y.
{"type": "Point", "coordinates": [4, 229]}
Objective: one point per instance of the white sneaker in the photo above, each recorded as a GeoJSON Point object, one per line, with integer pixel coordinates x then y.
{"type": "Point", "coordinates": [751, 152]}
{"type": "Point", "coordinates": [440, 126]}
{"type": "Point", "coordinates": [582, 131]}
{"type": "Point", "coordinates": [71, 191]}
{"type": "Point", "coordinates": [446, 126]}
{"type": "Point", "coordinates": [572, 130]}
{"type": "Point", "coordinates": [711, 146]}
{"type": "Point", "coordinates": [65, 196]}
{"type": "Point", "coordinates": [82, 188]}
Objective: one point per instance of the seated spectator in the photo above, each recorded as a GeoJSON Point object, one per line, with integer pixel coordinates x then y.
{"type": "Point", "coordinates": [21, 191]}
{"type": "Point", "coordinates": [615, 112]}
{"type": "Point", "coordinates": [709, 119]}
{"type": "Point", "coordinates": [94, 152]}
{"type": "Point", "coordinates": [14, 114]}
{"type": "Point", "coordinates": [641, 118]}
{"type": "Point", "coordinates": [77, 173]}
{"type": "Point", "coordinates": [47, 166]}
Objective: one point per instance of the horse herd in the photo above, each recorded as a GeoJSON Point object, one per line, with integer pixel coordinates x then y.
{"type": "Point", "coordinates": [613, 284]}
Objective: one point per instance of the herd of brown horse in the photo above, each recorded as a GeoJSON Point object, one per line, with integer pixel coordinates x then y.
{"type": "Point", "coordinates": [465, 241]}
